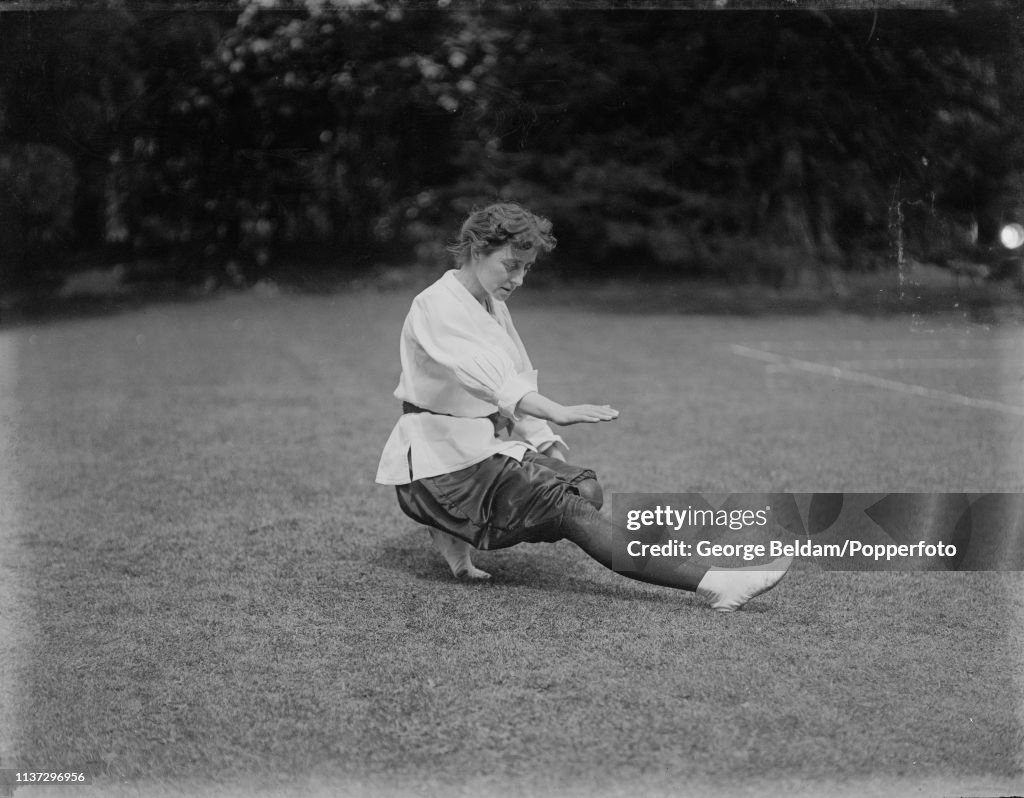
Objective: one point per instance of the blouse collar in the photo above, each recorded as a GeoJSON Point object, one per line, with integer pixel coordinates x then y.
{"type": "Point", "coordinates": [452, 283]}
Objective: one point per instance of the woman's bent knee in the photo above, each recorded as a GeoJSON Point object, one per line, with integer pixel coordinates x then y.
{"type": "Point", "coordinates": [590, 490]}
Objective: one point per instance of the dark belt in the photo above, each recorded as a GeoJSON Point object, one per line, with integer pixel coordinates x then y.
{"type": "Point", "coordinates": [499, 421]}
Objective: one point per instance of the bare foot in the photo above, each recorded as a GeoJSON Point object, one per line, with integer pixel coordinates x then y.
{"type": "Point", "coordinates": [457, 553]}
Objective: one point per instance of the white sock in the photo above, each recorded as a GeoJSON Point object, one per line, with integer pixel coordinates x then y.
{"type": "Point", "coordinates": [728, 589]}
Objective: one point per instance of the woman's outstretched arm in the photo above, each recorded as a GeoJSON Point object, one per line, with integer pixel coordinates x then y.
{"type": "Point", "coordinates": [535, 404]}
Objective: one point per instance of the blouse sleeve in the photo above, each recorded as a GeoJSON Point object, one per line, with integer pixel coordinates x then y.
{"type": "Point", "coordinates": [536, 432]}
{"type": "Point", "coordinates": [489, 374]}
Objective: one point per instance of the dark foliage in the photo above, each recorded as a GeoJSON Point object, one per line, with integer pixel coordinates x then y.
{"type": "Point", "coordinates": [753, 145]}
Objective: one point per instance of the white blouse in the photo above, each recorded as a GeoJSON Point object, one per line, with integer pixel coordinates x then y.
{"type": "Point", "coordinates": [459, 360]}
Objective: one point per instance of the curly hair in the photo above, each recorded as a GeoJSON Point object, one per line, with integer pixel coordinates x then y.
{"type": "Point", "coordinates": [491, 228]}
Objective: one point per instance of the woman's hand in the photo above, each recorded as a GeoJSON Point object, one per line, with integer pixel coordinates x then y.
{"type": "Point", "coordinates": [583, 414]}
{"type": "Point", "coordinates": [556, 451]}
{"type": "Point", "coordinates": [535, 404]}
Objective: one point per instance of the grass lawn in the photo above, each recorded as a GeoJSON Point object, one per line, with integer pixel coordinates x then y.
{"type": "Point", "coordinates": [204, 592]}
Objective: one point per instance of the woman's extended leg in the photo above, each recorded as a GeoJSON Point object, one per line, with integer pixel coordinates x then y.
{"type": "Point", "coordinates": [502, 502]}
{"type": "Point", "coordinates": [727, 589]}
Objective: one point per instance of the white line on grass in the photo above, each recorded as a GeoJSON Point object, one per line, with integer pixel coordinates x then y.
{"type": "Point", "coordinates": [840, 373]}
{"type": "Point", "coordinates": [917, 363]}
{"type": "Point", "coordinates": [943, 344]}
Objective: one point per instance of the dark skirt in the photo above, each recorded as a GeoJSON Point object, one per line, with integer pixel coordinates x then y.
{"type": "Point", "coordinates": [498, 502]}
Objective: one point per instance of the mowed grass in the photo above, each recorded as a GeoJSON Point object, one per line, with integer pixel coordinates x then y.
{"type": "Point", "coordinates": [208, 594]}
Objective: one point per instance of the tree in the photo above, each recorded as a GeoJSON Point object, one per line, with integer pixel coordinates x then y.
{"type": "Point", "coordinates": [301, 126]}
{"type": "Point", "coordinates": [71, 82]}
{"type": "Point", "coordinates": [677, 135]}
{"type": "Point", "coordinates": [752, 144]}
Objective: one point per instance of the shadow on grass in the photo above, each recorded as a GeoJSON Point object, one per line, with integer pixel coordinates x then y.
{"type": "Point", "coordinates": [45, 308]}
{"type": "Point", "coordinates": [983, 303]}
{"type": "Point", "coordinates": [871, 295]}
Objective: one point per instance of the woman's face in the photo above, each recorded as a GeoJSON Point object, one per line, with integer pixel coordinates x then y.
{"type": "Point", "coordinates": [502, 272]}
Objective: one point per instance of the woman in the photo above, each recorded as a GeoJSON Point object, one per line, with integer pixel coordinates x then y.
{"type": "Point", "coordinates": [473, 456]}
